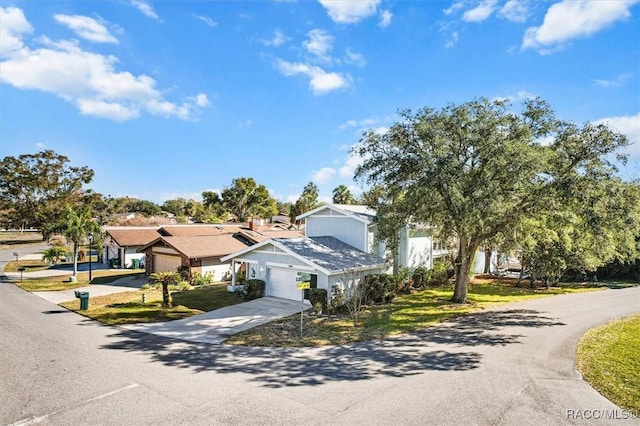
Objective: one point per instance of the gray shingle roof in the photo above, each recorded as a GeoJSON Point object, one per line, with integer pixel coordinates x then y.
{"type": "Point", "coordinates": [330, 253]}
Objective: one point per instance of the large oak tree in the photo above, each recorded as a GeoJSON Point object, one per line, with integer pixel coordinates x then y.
{"type": "Point", "coordinates": [35, 188]}
{"type": "Point", "coordinates": [246, 199]}
{"type": "Point", "coordinates": [477, 169]}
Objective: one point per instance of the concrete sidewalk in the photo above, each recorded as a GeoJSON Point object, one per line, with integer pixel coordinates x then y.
{"type": "Point", "coordinates": [216, 326]}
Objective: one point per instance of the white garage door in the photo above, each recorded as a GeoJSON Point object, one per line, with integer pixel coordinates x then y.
{"type": "Point", "coordinates": [282, 283]}
{"type": "Point", "coordinates": [164, 263]}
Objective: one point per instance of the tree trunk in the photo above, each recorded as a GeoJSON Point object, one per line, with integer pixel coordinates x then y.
{"type": "Point", "coordinates": [165, 296]}
{"type": "Point", "coordinates": [463, 262]}
{"type": "Point", "coordinates": [75, 258]}
{"type": "Point", "coordinates": [487, 259]}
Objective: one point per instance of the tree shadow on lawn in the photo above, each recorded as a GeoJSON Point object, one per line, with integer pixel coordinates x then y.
{"type": "Point", "coordinates": [400, 356]}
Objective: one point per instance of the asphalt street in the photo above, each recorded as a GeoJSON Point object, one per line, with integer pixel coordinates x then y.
{"type": "Point", "coordinates": [513, 365]}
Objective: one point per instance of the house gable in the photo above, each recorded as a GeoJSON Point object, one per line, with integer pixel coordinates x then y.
{"type": "Point", "coordinates": [330, 221]}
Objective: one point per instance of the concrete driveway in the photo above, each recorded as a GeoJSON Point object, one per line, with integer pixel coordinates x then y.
{"type": "Point", "coordinates": [216, 326]}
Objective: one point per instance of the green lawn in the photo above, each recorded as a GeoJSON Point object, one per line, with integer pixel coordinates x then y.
{"type": "Point", "coordinates": [608, 357]}
{"type": "Point", "coordinates": [16, 239]}
{"type": "Point", "coordinates": [127, 307]}
{"type": "Point", "coordinates": [101, 276]}
{"type": "Point", "coordinates": [28, 265]}
{"type": "Point", "coordinates": [407, 313]}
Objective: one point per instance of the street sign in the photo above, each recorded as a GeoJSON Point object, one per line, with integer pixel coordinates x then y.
{"type": "Point", "coordinates": [303, 286]}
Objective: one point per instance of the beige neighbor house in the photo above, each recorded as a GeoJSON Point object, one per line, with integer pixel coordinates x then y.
{"type": "Point", "coordinates": [199, 253]}
{"type": "Point", "coordinates": [199, 248]}
{"type": "Point", "coordinates": [122, 243]}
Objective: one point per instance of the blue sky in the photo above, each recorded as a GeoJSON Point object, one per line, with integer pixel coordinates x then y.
{"type": "Point", "coordinates": [166, 99]}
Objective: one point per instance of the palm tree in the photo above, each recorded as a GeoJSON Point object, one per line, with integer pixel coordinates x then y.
{"type": "Point", "coordinates": [166, 279]}
{"type": "Point", "coordinates": [76, 227]}
{"type": "Point", "coordinates": [53, 254]}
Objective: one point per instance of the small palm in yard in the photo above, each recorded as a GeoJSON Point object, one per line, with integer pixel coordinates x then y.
{"type": "Point", "coordinates": [53, 254]}
{"type": "Point", "coordinates": [166, 279]}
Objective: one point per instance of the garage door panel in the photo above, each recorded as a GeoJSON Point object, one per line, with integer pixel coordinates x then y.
{"type": "Point", "coordinates": [282, 283]}
{"type": "Point", "coordinates": [164, 263]}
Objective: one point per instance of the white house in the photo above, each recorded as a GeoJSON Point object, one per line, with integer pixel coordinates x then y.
{"type": "Point", "coordinates": [354, 225]}
{"type": "Point", "coordinates": [339, 247]}
{"type": "Point", "coordinates": [322, 260]}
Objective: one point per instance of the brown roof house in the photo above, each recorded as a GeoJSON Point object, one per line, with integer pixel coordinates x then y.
{"type": "Point", "coordinates": [122, 243]}
{"type": "Point", "coordinates": [200, 253]}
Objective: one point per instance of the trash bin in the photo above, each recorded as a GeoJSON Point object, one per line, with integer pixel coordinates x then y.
{"type": "Point", "coordinates": [135, 263]}
{"type": "Point", "coordinates": [115, 263]}
{"type": "Point", "coordinates": [84, 299]}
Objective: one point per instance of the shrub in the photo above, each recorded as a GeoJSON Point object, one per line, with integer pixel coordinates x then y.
{"type": "Point", "coordinates": [337, 298]}
{"type": "Point", "coordinates": [318, 295]}
{"type": "Point", "coordinates": [253, 289]}
{"type": "Point", "coordinates": [199, 279]}
{"type": "Point", "coordinates": [241, 277]}
{"type": "Point", "coordinates": [421, 277]}
{"type": "Point", "coordinates": [402, 280]}
{"type": "Point", "coordinates": [184, 272]}
{"type": "Point", "coordinates": [377, 288]}
{"type": "Point", "coordinates": [440, 274]}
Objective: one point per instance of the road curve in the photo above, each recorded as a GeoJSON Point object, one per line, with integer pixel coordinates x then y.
{"type": "Point", "coordinates": [512, 365]}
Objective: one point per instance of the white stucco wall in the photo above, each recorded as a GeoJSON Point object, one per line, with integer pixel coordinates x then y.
{"type": "Point", "coordinates": [346, 229]}
{"type": "Point", "coordinates": [221, 271]}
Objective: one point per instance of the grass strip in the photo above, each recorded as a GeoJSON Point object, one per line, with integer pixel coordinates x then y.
{"type": "Point", "coordinates": [608, 358]}
{"type": "Point", "coordinates": [102, 276]}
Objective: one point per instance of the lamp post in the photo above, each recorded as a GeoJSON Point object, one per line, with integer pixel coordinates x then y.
{"type": "Point", "coordinates": [90, 247]}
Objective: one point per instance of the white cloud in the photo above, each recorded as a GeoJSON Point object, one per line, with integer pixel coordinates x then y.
{"type": "Point", "coordinates": [319, 43]}
{"type": "Point", "coordinates": [452, 40]}
{"type": "Point", "coordinates": [13, 26]}
{"type": "Point", "coordinates": [385, 19]}
{"type": "Point", "coordinates": [515, 11]}
{"type": "Point", "coordinates": [350, 11]}
{"type": "Point", "coordinates": [516, 97]}
{"type": "Point", "coordinates": [323, 175]}
{"type": "Point", "coordinates": [320, 81]}
{"type": "Point", "coordinates": [145, 8]}
{"type": "Point", "coordinates": [628, 125]}
{"type": "Point", "coordinates": [278, 39]}
{"type": "Point", "coordinates": [570, 19]}
{"type": "Point", "coordinates": [376, 124]}
{"type": "Point", "coordinates": [195, 196]}
{"type": "Point", "coordinates": [453, 8]}
{"type": "Point", "coordinates": [245, 124]}
{"type": "Point", "coordinates": [348, 169]}
{"type": "Point", "coordinates": [110, 110]}
{"type": "Point", "coordinates": [480, 12]}
{"type": "Point", "coordinates": [87, 28]}
{"type": "Point", "coordinates": [617, 81]}
{"type": "Point", "coordinates": [41, 146]}
{"type": "Point", "coordinates": [207, 20]}
{"type": "Point", "coordinates": [88, 80]}
{"type": "Point", "coordinates": [355, 58]}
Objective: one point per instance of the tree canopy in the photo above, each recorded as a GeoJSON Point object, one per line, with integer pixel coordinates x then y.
{"type": "Point", "coordinates": [308, 200]}
{"type": "Point", "coordinates": [35, 188]}
{"type": "Point", "coordinates": [342, 195]}
{"type": "Point", "coordinates": [246, 199]}
{"type": "Point", "coordinates": [475, 170]}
